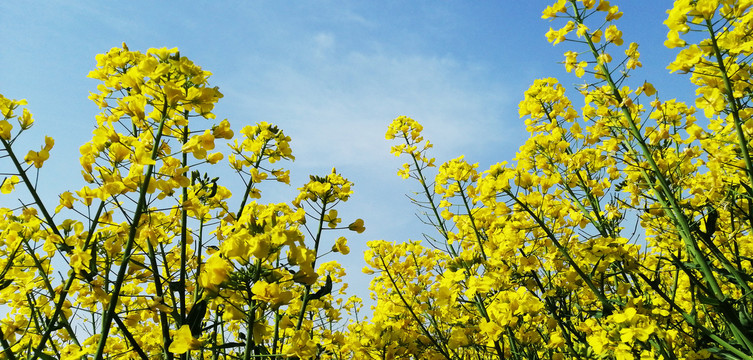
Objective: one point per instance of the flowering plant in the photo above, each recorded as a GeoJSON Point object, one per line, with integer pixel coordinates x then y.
{"type": "Point", "coordinates": [157, 261]}
{"type": "Point", "coordinates": [621, 229]}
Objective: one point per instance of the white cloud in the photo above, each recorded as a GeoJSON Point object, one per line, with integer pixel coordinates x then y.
{"type": "Point", "coordinates": [338, 107]}
{"type": "Point", "coordinates": [323, 44]}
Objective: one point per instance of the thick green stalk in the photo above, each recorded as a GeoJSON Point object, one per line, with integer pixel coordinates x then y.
{"type": "Point", "coordinates": [664, 191]}
{"type": "Point", "coordinates": [140, 210]}
{"type": "Point", "coordinates": [183, 233]}
{"type": "Point", "coordinates": [6, 347]}
{"type": "Point", "coordinates": [252, 314]}
{"type": "Point", "coordinates": [734, 107]}
{"type": "Point", "coordinates": [164, 322]}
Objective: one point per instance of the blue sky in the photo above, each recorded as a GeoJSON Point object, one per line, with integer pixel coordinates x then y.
{"type": "Point", "coordinates": [331, 74]}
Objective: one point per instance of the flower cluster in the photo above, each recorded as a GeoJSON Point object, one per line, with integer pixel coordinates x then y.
{"type": "Point", "coordinates": [540, 258]}
{"type": "Point", "coordinates": [159, 260]}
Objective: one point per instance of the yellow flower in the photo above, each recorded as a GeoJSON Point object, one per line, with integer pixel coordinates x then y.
{"type": "Point", "coordinates": [80, 260]}
{"type": "Point", "coordinates": [301, 345]}
{"type": "Point", "coordinates": [332, 219]}
{"type": "Point", "coordinates": [39, 157]}
{"type": "Point", "coordinates": [673, 40]}
{"type": "Point", "coordinates": [222, 131]}
{"type": "Point", "coordinates": [271, 294]}
{"type": "Point", "coordinates": [357, 226]}
{"type": "Point", "coordinates": [118, 152]}
{"type": "Point", "coordinates": [214, 272]}
{"type": "Point", "coordinates": [5, 128]}
{"type": "Point", "coordinates": [614, 35]}
{"type": "Point", "coordinates": [551, 11]}
{"type": "Point", "coordinates": [341, 246]}
{"type": "Point", "coordinates": [66, 200]}
{"type": "Point", "coordinates": [25, 120]}
{"type": "Point", "coordinates": [183, 341]}
{"type": "Point", "coordinates": [9, 184]}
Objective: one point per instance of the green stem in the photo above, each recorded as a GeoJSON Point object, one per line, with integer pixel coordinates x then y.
{"type": "Point", "coordinates": [140, 210]}
{"type": "Point", "coordinates": [664, 191]}
{"type": "Point", "coordinates": [183, 233]}
{"type": "Point", "coordinates": [124, 329]}
{"type": "Point", "coordinates": [32, 191]}
{"type": "Point", "coordinates": [164, 322]}
{"type": "Point", "coordinates": [313, 263]}
{"type": "Point", "coordinates": [608, 307]}
{"type": "Point", "coordinates": [250, 182]}
{"type": "Point", "coordinates": [6, 347]}
{"type": "Point", "coordinates": [476, 231]}
{"type": "Point", "coordinates": [63, 294]}
{"type": "Point", "coordinates": [734, 107]}
{"type": "Point", "coordinates": [426, 332]}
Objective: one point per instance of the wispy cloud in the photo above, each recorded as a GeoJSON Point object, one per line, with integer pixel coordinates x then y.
{"type": "Point", "coordinates": [339, 104]}
{"type": "Point", "coordinates": [336, 104]}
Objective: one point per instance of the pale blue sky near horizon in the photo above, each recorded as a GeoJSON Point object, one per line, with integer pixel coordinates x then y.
{"type": "Point", "coordinates": [331, 74]}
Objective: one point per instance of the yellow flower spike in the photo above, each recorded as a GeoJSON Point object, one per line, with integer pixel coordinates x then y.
{"type": "Point", "coordinates": [183, 341]}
